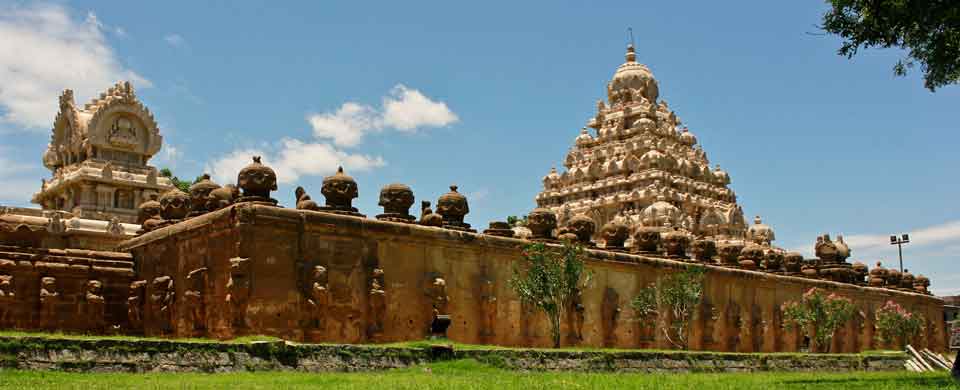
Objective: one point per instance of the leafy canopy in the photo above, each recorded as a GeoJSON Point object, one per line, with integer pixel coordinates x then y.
{"type": "Point", "coordinates": [679, 293]}
{"type": "Point", "coordinates": [929, 30]}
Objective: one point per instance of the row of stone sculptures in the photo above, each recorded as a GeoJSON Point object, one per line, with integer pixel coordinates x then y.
{"type": "Point", "coordinates": [674, 243]}
{"type": "Point", "coordinates": [256, 181]}
{"type": "Point", "coordinates": [91, 309]}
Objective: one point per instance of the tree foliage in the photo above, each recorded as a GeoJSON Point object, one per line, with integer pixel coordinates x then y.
{"type": "Point", "coordinates": [893, 323]}
{"type": "Point", "coordinates": [929, 30]}
{"type": "Point", "coordinates": [183, 185]}
{"type": "Point", "coordinates": [515, 221]}
{"type": "Point", "coordinates": [549, 278]}
{"type": "Point", "coordinates": [818, 315]}
{"type": "Point", "coordinates": [679, 293]}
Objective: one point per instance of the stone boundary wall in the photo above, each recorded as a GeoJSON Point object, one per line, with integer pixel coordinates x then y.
{"type": "Point", "coordinates": [32, 353]}
{"type": "Point", "coordinates": [260, 279]}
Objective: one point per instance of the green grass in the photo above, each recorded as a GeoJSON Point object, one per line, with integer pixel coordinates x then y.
{"type": "Point", "coordinates": [469, 374]}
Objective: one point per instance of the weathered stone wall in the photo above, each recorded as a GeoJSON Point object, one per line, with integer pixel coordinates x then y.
{"type": "Point", "coordinates": [275, 250]}
{"type": "Point", "coordinates": [163, 356]}
{"type": "Point", "coordinates": [68, 310]}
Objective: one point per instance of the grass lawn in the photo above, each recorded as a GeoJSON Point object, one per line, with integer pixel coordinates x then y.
{"type": "Point", "coordinates": [470, 374]}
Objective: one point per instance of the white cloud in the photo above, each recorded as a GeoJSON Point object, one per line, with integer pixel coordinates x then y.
{"type": "Point", "coordinates": [407, 109]}
{"type": "Point", "coordinates": [46, 50]}
{"type": "Point", "coordinates": [404, 109]}
{"type": "Point", "coordinates": [291, 159]}
{"type": "Point", "coordinates": [174, 40]}
{"type": "Point", "coordinates": [347, 125]}
{"type": "Point", "coordinates": [168, 157]}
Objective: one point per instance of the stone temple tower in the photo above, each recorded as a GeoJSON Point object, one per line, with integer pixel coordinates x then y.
{"type": "Point", "coordinates": [98, 156]}
{"type": "Point", "coordinates": [635, 162]}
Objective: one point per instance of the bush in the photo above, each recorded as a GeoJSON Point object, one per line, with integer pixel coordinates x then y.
{"type": "Point", "coordinates": [818, 315]}
{"type": "Point", "coordinates": [896, 324]}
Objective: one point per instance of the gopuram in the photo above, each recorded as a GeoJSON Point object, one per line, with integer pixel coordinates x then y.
{"type": "Point", "coordinates": [224, 261]}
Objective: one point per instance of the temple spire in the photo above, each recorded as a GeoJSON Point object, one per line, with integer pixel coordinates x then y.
{"type": "Point", "coordinates": [631, 55]}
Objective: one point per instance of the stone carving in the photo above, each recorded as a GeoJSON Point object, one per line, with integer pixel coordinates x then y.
{"type": "Point", "coordinates": [199, 194]}
{"type": "Point", "coordinates": [825, 249]}
{"type": "Point", "coordinates": [877, 276]}
{"type": "Point", "coordinates": [793, 263]}
{"type": "Point", "coordinates": [541, 223]}
{"type": "Point", "coordinates": [378, 303]}
{"type": "Point", "coordinates": [906, 281]}
{"type": "Point", "coordinates": [646, 240]}
{"type": "Point", "coordinates": [428, 217]}
{"type": "Point", "coordinates": [860, 272]}
{"type": "Point", "coordinates": [810, 269]}
{"type": "Point", "coordinates": [773, 261]}
{"type": "Point", "coordinates": [135, 301]}
{"type": "Point", "coordinates": [729, 253]}
{"type": "Point", "coordinates": [304, 202]}
{"type": "Point", "coordinates": [8, 300]}
{"type": "Point", "coordinates": [318, 298]}
{"type": "Point", "coordinates": [750, 256]}
{"type": "Point", "coordinates": [49, 297]}
{"type": "Point", "coordinates": [161, 303]}
{"type": "Point", "coordinates": [832, 256]}
{"type": "Point", "coordinates": [610, 310]}
{"type": "Point", "coordinates": [922, 284]}
{"type": "Point", "coordinates": [114, 227]}
{"type": "Point", "coordinates": [194, 299]}
{"type": "Point", "coordinates": [760, 233]}
{"type": "Point", "coordinates": [55, 224]}
{"type": "Point", "coordinates": [396, 200]}
{"type": "Point", "coordinates": [582, 228]}
{"type": "Point", "coordinates": [339, 191]}
{"type": "Point", "coordinates": [892, 281]}
{"type": "Point", "coordinates": [703, 250]}
{"type": "Point", "coordinates": [222, 197]}
{"type": "Point", "coordinates": [577, 315]}
{"type": "Point", "coordinates": [149, 215]}
{"type": "Point", "coordinates": [614, 234]}
{"type": "Point", "coordinates": [256, 181]}
{"type": "Point", "coordinates": [238, 291]}
{"type": "Point", "coordinates": [174, 206]}
{"type": "Point", "coordinates": [123, 134]}
{"type": "Point", "coordinates": [437, 291]}
{"type": "Point", "coordinates": [453, 206]}
{"type": "Point", "coordinates": [488, 308]}
{"type": "Point", "coordinates": [94, 305]}
{"type": "Point", "coordinates": [501, 229]}
{"type": "Point", "coordinates": [675, 244]}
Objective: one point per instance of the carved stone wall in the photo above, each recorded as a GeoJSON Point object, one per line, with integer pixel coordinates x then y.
{"type": "Point", "coordinates": [68, 290]}
{"type": "Point", "coordinates": [283, 247]}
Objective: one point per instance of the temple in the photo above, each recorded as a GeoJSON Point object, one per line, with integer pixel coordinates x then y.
{"type": "Point", "coordinates": [224, 261]}
{"type": "Point", "coordinates": [98, 156]}
{"type": "Point", "coordinates": [641, 166]}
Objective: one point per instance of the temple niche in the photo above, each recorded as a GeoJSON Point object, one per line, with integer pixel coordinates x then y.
{"type": "Point", "coordinates": [98, 157]}
{"type": "Point", "coordinates": [637, 164]}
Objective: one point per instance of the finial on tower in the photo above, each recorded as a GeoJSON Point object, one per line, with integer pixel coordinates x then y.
{"type": "Point", "coordinates": [631, 55]}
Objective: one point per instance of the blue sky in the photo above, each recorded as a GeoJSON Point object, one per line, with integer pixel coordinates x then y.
{"type": "Point", "coordinates": [489, 95]}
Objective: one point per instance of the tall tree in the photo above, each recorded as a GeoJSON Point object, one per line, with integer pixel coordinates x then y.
{"type": "Point", "coordinates": [929, 30]}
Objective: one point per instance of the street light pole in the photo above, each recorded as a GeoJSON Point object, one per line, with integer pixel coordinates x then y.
{"type": "Point", "coordinates": [899, 241]}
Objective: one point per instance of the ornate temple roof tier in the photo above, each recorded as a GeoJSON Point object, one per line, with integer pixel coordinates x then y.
{"type": "Point", "coordinates": [638, 154]}
{"type": "Point", "coordinates": [98, 156]}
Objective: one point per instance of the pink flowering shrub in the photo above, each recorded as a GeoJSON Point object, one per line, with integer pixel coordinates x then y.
{"type": "Point", "coordinates": [818, 315]}
{"type": "Point", "coordinates": [894, 323]}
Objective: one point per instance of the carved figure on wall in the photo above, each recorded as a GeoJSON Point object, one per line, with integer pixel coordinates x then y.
{"type": "Point", "coordinates": [646, 240]}
{"type": "Point", "coordinates": [257, 180]}
{"type": "Point", "coordinates": [396, 200]}
{"type": "Point", "coordinates": [377, 302]}
{"type": "Point", "coordinates": [703, 250]}
{"type": "Point", "coordinates": [488, 308]}
{"type": "Point", "coordinates": [577, 316]}
{"type": "Point", "coordinates": [614, 234]}
{"type": "Point", "coordinates": [123, 133]}
{"type": "Point", "coordinates": [149, 215]}
{"type": "Point", "coordinates": [174, 206]}
{"type": "Point", "coordinates": [541, 222]}
{"type": "Point", "coordinates": [339, 191]}
{"type": "Point", "coordinates": [199, 193]}
{"type": "Point", "coordinates": [161, 303]}
{"type": "Point", "coordinates": [675, 243]}
{"type": "Point", "coordinates": [94, 305]}
{"type": "Point", "coordinates": [8, 300]}
{"type": "Point", "coordinates": [222, 197]}
{"type": "Point", "coordinates": [825, 249]}
{"type": "Point", "coordinates": [582, 227]}
{"type": "Point", "coordinates": [500, 229]}
{"type": "Point", "coordinates": [453, 207]}
{"type": "Point", "coordinates": [793, 263]}
{"type": "Point", "coordinates": [610, 310]}
{"type": "Point", "coordinates": [773, 261]}
{"type": "Point", "coordinates": [194, 298]}
{"type": "Point", "coordinates": [238, 290]}
{"type": "Point", "coordinates": [877, 275]}
{"type": "Point", "coordinates": [437, 291]}
{"type": "Point", "coordinates": [428, 217]}
{"type": "Point", "coordinates": [49, 297]}
{"type": "Point", "coordinates": [304, 202]}
{"type": "Point", "coordinates": [135, 301]}
{"type": "Point", "coordinates": [729, 252]}
{"type": "Point", "coordinates": [750, 256]}
{"type": "Point", "coordinates": [318, 300]}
